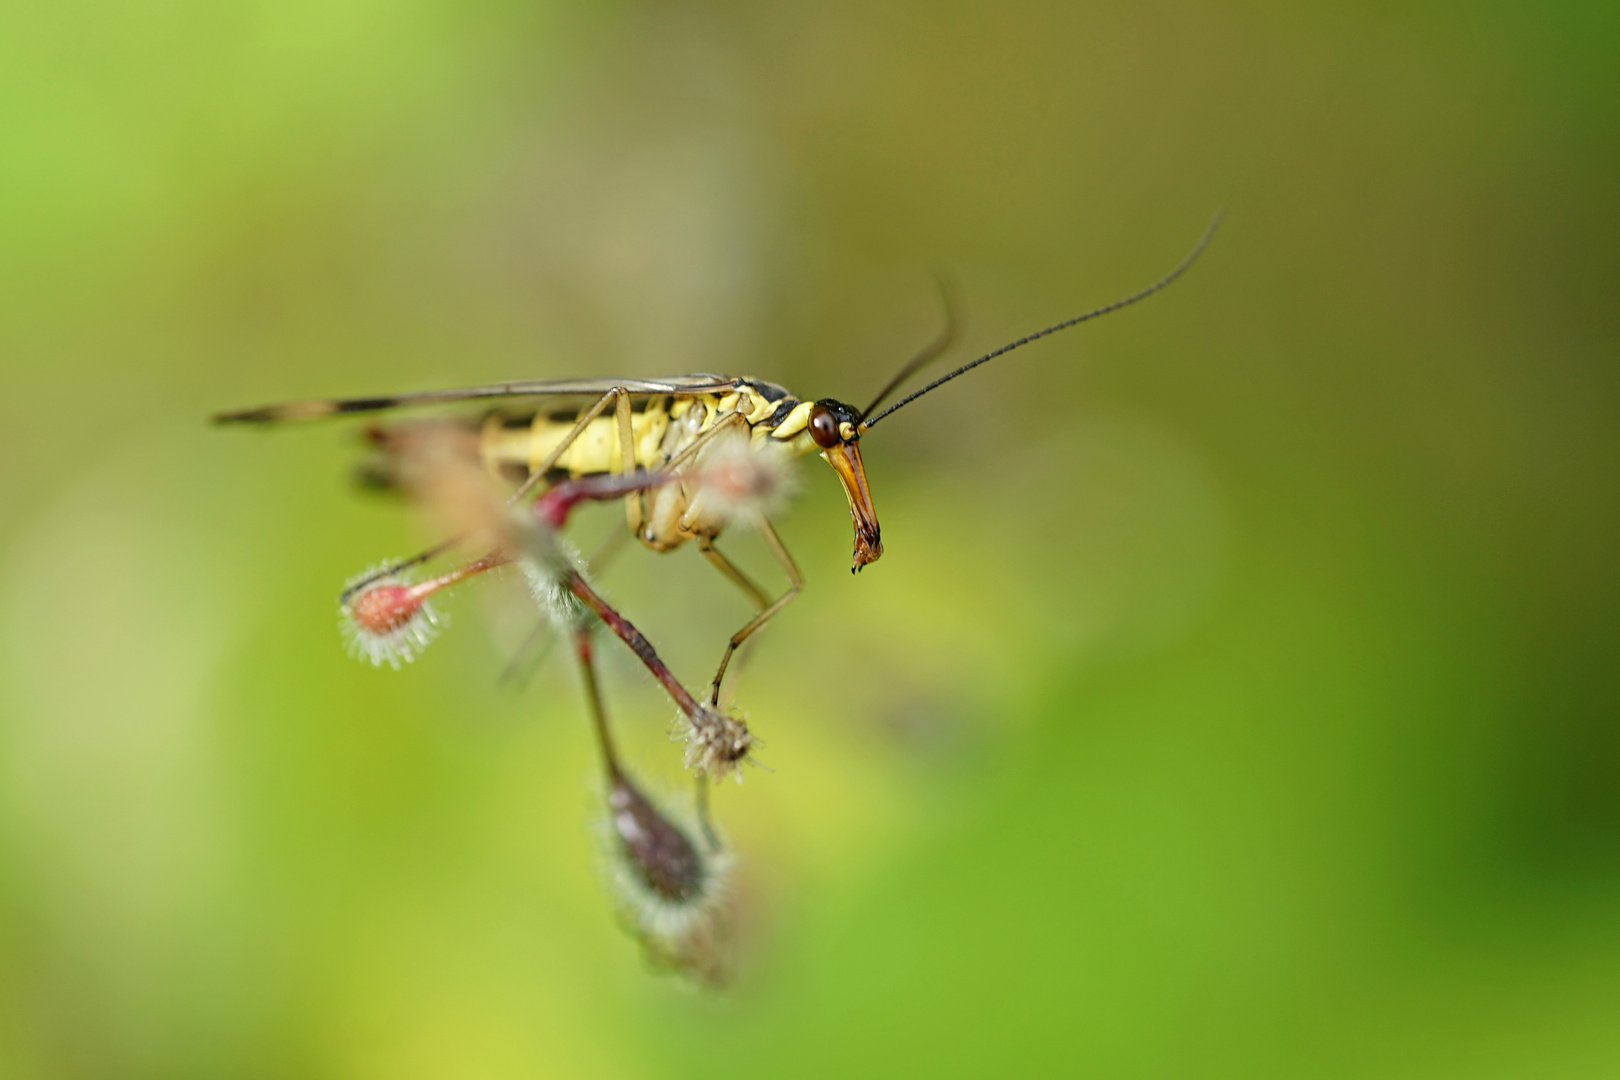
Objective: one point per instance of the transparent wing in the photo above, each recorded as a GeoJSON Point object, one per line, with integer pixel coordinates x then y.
{"type": "Point", "coordinates": [310, 410]}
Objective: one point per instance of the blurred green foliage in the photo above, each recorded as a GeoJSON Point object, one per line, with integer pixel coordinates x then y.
{"type": "Point", "coordinates": [1237, 696]}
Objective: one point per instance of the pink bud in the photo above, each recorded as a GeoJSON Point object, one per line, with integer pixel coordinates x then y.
{"type": "Point", "coordinates": [388, 621]}
{"type": "Point", "coordinates": [382, 609]}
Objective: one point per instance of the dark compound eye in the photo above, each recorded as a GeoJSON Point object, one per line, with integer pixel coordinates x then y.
{"type": "Point", "coordinates": [823, 428]}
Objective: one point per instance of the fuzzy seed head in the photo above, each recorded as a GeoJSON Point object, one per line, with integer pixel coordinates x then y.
{"type": "Point", "coordinates": [669, 894]}
{"type": "Point", "coordinates": [716, 744]}
{"type": "Point", "coordinates": [547, 578]}
{"type": "Point", "coordinates": [387, 622]}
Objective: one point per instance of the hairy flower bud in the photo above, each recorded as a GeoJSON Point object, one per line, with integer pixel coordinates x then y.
{"type": "Point", "coordinates": [670, 894]}
{"type": "Point", "coordinates": [546, 568]}
{"type": "Point", "coordinates": [716, 744]}
{"type": "Point", "coordinates": [663, 858]}
{"type": "Point", "coordinates": [387, 620]}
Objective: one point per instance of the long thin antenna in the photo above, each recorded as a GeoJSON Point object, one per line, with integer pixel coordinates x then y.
{"type": "Point", "coordinates": [1192, 257]}
{"type": "Point", "coordinates": [947, 296]}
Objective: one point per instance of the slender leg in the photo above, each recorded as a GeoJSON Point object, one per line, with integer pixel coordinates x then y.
{"type": "Point", "coordinates": [729, 569]}
{"type": "Point", "coordinates": [528, 485]}
{"type": "Point", "coordinates": [795, 583]}
{"type": "Point", "coordinates": [734, 575]}
{"type": "Point", "coordinates": [529, 657]}
{"type": "Point", "coordinates": [635, 503]}
{"type": "Point", "coordinates": [627, 434]}
{"type": "Point", "coordinates": [608, 550]}
{"type": "Point", "coordinates": [398, 568]}
{"type": "Point", "coordinates": [539, 471]}
{"type": "Point", "coordinates": [725, 423]}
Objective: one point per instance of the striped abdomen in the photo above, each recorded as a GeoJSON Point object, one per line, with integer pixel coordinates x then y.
{"type": "Point", "coordinates": [662, 426]}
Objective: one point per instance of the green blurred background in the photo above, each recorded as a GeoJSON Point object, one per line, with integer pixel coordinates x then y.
{"type": "Point", "coordinates": [1238, 694]}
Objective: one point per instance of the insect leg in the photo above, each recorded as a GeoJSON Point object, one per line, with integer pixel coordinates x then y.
{"type": "Point", "coordinates": [522, 667]}
{"type": "Point", "coordinates": [635, 503]}
{"type": "Point", "coordinates": [544, 466]}
{"type": "Point", "coordinates": [535, 476]}
{"type": "Point", "coordinates": [795, 583]}
{"type": "Point", "coordinates": [724, 423]}
{"type": "Point", "coordinates": [734, 575]}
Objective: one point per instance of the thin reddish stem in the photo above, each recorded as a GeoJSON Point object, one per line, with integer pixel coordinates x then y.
{"type": "Point", "coordinates": [627, 633]}
{"type": "Point", "coordinates": [424, 589]}
{"type": "Point", "coordinates": [557, 503]}
{"type": "Point", "coordinates": [593, 693]}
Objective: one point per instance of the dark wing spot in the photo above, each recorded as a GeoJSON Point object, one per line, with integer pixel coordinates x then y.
{"type": "Point", "coordinates": [366, 404]}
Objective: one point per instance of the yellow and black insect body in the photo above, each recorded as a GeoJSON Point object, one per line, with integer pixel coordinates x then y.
{"type": "Point", "coordinates": [664, 423]}
{"type": "Point", "coordinates": [651, 442]}
{"type": "Point", "coordinates": [664, 427]}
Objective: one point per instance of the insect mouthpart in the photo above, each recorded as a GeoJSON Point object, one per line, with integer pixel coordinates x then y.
{"type": "Point", "coordinates": [836, 429]}
{"type": "Point", "coordinates": [845, 458]}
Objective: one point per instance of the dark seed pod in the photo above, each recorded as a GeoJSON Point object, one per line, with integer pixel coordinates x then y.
{"type": "Point", "coordinates": [670, 894]}
{"type": "Point", "coordinates": [658, 853]}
